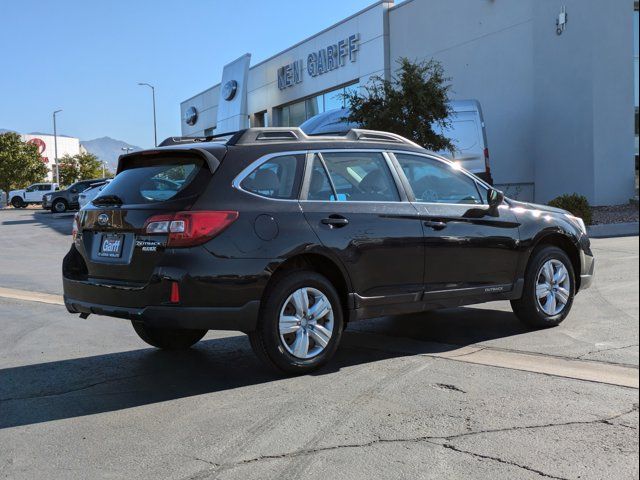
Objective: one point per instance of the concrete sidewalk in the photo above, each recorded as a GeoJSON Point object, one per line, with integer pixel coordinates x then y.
{"type": "Point", "coordinates": [613, 230]}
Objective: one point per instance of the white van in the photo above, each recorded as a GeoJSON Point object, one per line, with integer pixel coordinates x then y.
{"type": "Point", "coordinates": [468, 134]}
{"type": "Point", "coordinates": [466, 131]}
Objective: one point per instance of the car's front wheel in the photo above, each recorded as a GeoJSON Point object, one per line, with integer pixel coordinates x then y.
{"type": "Point", "coordinates": [59, 206]}
{"type": "Point", "coordinates": [549, 288]}
{"type": "Point", "coordinates": [18, 202]}
{"type": "Point", "coordinates": [168, 338]}
{"type": "Point", "coordinates": [300, 324]}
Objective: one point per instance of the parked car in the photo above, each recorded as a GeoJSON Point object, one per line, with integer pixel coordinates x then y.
{"type": "Point", "coordinates": [466, 130]}
{"type": "Point", "coordinates": [68, 199]}
{"type": "Point", "coordinates": [31, 195]}
{"type": "Point", "coordinates": [288, 237]}
{"type": "Point", "coordinates": [91, 193]}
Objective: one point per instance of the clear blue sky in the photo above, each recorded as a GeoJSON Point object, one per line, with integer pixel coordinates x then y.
{"type": "Point", "coordinates": [87, 57]}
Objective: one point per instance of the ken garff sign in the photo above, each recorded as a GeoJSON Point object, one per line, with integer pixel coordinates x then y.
{"type": "Point", "coordinates": [324, 60]}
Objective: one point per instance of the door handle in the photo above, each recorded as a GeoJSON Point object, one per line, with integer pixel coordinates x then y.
{"type": "Point", "coordinates": [435, 225]}
{"type": "Point", "coordinates": [335, 221]}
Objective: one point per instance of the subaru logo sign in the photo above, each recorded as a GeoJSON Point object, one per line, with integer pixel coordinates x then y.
{"type": "Point", "coordinates": [191, 116]}
{"type": "Point", "coordinates": [229, 90]}
{"type": "Point", "coordinates": [103, 219]}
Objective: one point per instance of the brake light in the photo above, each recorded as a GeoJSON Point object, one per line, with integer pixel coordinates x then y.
{"type": "Point", "coordinates": [174, 296]}
{"type": "Point", "coordinates": [187, 229]}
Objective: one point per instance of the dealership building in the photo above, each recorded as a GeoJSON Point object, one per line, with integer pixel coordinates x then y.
{"type": "Point", "coordinates": [557, 81]}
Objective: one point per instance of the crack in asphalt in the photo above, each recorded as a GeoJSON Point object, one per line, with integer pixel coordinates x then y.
{"type": "Point", "coordinates": [433, 440]}
{"type": "Point", "coordinates": [610, 349]}
{"type": "Point", "coordinates": [448, 446]}
{"type": "Point", "coordinates": [72, 390]}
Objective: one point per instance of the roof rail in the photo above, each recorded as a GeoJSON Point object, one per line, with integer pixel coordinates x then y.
{"type": "Point", "coordinates": [361, 134]}
{"type": "Point", "coordinates": [268, 134]}
{"type": "Point", "coordinates": [167, 142]}
{"type": "Point", "coordinates": [294, 134]}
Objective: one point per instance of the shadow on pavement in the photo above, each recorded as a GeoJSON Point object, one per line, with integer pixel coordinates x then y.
{"type": "Point", "coordinates": [104, 383]}
{"type": "Point", "coordinates": [60, 223]}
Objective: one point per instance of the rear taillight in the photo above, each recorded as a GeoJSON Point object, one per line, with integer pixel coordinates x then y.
{"type": "Point", "coordinates": [186, 229]}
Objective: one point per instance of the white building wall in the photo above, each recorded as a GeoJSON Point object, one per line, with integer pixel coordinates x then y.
{"type": "Point", "coordinates": [584, 101]}
{"type": "Point", "coordinates": [486, 48]}
{"type": "Point", "coordinates": [558, 108]}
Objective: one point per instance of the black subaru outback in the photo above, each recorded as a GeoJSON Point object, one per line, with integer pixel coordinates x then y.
{"type": "Point", "coordinates": [288, 238]}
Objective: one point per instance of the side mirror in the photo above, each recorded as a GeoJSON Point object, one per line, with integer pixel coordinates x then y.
{"type": "Point", "coordinates": [495, 198]}
{"type": "Point", "coordinates": [74, 190]}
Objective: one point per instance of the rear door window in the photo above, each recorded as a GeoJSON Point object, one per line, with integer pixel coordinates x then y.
{"type": "Point", "coordinates": [277, 178]}
{"type": "Point", "coordinates": [155, 180]}
{"type": "Point", "coordinates": [353, 177]}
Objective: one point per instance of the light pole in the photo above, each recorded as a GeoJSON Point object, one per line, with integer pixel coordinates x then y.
{"type": "Point", "coordinates": [153, 94]}
{"type": "Point", "coordinates": [126, 149]}
{"type": "Point", "coordinates": [55, 146]}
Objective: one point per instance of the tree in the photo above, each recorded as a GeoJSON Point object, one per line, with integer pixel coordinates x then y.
{"type": "Point", "coordinates": [20, 163]}
{"type": "Point", "coordinates": [68, 170]}
{"type": "Point", "coordinates": [409, 104]}
{"type": "Point", "coordinates": [83, 166]}
{"type": "Point", "coordinates": [89, 166]}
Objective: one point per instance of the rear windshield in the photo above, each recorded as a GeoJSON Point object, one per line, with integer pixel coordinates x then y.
{"type": "Point", "coordinates": [153, 180]}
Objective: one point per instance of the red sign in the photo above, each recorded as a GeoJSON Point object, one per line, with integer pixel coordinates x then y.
{"type": "Point", "coordinates": [38, 142]}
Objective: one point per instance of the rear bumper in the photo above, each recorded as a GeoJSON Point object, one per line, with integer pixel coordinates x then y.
{"type": "Point", "coordinates": [242, 318]}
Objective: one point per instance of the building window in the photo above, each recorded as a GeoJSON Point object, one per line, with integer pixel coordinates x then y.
{"type": "Point", "coordinates": [294, 114]}
{"type": "Point", "coordinates": [260, 119]}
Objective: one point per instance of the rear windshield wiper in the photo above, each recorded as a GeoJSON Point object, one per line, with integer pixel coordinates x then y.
{"type": "Point", "coordinates": [107, 200]}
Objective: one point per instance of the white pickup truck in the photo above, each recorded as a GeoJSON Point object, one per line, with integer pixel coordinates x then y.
{"type": "Point", "coordinates": [30, 195]}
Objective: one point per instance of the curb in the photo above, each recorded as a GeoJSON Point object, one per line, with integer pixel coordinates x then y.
{"type": "Point", "coordinates": [613, 230]}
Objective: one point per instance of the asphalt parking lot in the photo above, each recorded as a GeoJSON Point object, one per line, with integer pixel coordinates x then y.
{"type": "Point", "coordinates": [460, 393]}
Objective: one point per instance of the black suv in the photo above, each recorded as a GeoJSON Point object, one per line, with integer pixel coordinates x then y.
{"type": "Point", "coordinates": [67, 199]}
{"type": "Point", "coordinates": [288, 238]}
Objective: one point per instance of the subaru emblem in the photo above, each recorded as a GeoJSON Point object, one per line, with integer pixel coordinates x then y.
{"type": "Point", "coordinates": [103, 219]}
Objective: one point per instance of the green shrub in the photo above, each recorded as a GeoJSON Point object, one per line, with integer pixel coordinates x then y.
{"type": "Point", "coordinates": [578, 205]}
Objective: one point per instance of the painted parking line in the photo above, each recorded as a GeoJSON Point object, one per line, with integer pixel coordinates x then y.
{"type": "Point", "coordinates": [31, 296]}
{"type": "Point", "coordinates": [587, 370]}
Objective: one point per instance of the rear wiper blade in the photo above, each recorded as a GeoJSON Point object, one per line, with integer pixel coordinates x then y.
{"type": "Point", "coordinates": [107, 200]}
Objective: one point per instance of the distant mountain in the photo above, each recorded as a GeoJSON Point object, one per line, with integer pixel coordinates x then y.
{"type": "Point", "coordinates": [107, 149]}
{"type": "Point", "coordinates": [45, 133]}
{"type": "Point", "coordinates": [4, 130]}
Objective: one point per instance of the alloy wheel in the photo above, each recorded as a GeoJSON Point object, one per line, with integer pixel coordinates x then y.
{"type": "Point", "coordinates": [306, 323]}
{"type": "Point", "coordinates": [553, 287]}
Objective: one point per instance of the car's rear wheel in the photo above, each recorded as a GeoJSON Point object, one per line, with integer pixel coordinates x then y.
{"type": "Point", "coordinates": [300, 324]}
{"type": "Point", "coordinates": [168, 338]}
{"type": "Point", "coordinates": [59, 206]}
{"type": "Point", "coordinates": [17, 202]}
{"type": "Point", "coordinates": [549, 289]}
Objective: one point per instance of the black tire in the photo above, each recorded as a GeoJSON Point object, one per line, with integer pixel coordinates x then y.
{"type": "Point", "coordinates": [266, 341]}
{"type": "Point", "coordinates": [59, 206]}
{"type": "Point", "coordinates": [18, 202]}
{"type": "Point", "coordinates": [168, 338]}
{"type": "Point", "coordinates": [527, 308]}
